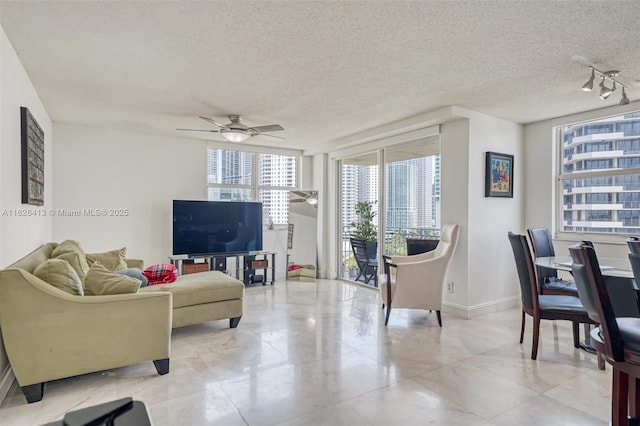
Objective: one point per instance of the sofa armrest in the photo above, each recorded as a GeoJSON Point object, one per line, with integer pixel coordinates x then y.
{"type": "Point", "coordinates": [49, 334]}
{"type": "Point", "coordinates": [135, 263]}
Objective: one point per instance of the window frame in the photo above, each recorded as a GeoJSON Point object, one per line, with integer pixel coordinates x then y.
{"type": "Point", "coordinates": [254, 187]}
{"type": "Point", "coordinates": [561, 176]}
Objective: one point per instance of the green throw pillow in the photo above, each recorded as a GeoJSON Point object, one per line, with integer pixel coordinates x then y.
{"type": "Point", "coordinates": [113, 260]}
{"type": "Point", "coordinates": [61, 275]}
{"type": "Point", "coordinates": [102, 281]}
{"type": "Point", "coordinates": [71, 251]}
{"type": "Point", "coordinates": [78, 262]}
{"type": "Point", "coordinates": [67, 246]}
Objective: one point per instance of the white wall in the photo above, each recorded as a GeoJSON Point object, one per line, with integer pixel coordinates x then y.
{"type": "Point", "coordinates": [493, 281]}
{"type": "Point", "coordinates": [18, 235]}
{"type": "Point", "coordinates": [454, 207]}
{"type": "Point", "coordinates": [323, 179]}
{"type": "Point", "coordinates": [482, 269]}
{"type": "Point", "coordinates": [99, 168]}
{"type": "Point", "coordinates": [108, 169]}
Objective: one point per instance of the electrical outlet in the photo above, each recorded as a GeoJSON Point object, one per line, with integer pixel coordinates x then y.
{"type": "Point", "coordinates": [450, 287]}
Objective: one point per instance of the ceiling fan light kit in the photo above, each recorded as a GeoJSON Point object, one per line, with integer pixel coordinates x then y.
{"type": "Point", "coordinates": [235, 135]}
{"type": "Point", "coordinates": [606, 91]}
{"type": "Point", "coordinates": [236, 131]}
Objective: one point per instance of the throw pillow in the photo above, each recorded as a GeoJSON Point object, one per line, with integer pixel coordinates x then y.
{"type": "Point", "coordinates": [78, 262]}
{"type": "Point", "coordinates": [67, 246]}
{"type": "Point", "coordinates": [161, 273]}
{"type": "Point", "coordinates": [113, 260]}
{"type": "Point", "coordinates": [61, 275]}
{"type": "Point", "coordinates": [134, 273]}
{"type": "Point", "coordinates": [102, 281]}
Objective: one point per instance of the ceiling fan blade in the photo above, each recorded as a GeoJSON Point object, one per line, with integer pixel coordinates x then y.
{"type": "Point", "coordinates": [200, 130]}
{"type": "Point", "coordinates": [269, 136]}
{"type": "Point", "coordinates": [212, 121]}
{"type": "Point", "coordinates": [268, 128]}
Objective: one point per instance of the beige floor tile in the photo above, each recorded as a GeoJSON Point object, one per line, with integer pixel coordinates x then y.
{"type": "Point", "coordinates": [543, 411]}
{"type": "Point", "coordinates": [406, 403]}
{"type": "Point", "coordinates": [319, 354]}
{"type": "Point", "coordinates": [478, 391]}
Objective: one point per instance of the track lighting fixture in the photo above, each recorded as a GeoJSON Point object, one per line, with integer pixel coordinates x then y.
{"type": "Point", "coordinates": [605, 91]}
{"type": "Point", "coordinates": [588, 86]}
{"type": "Point", "coordinates": [625, 99]}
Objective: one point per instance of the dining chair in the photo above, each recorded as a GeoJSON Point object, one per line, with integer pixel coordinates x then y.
{"type": "Point", "coordinates": [634, 244]}
{"type": "Point", "coordinates": [417, 281]}
{"type": "Point", "coordinates": [548, 281]}
{"type": "Point", "coordinates": [619, 336]}
{"type": "Point", "coordinates": [542, 306]}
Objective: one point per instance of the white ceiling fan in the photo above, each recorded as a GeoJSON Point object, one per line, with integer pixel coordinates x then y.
{"type": "Point", "coordinates": [236, 131]}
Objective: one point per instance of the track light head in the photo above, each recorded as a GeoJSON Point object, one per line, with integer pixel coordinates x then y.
{"type": "Point", "coordinates": [588, 86]}
{"type": "Point", "coordinates": [624, 100]}
{"type": "Point", "coordinates": [604, 90]}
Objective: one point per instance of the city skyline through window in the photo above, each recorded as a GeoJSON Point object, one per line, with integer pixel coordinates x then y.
{"type": "Point", "coordinates": [247, 176]}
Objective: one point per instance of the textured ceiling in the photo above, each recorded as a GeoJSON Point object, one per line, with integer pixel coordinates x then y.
{"type": "Point", "coordinates": [323, 70]}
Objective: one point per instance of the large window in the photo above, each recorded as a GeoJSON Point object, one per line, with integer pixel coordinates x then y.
{"type": "Point", "coordinates": [251, 176]}
{"type": "Point", "coordinates": [599, 180]}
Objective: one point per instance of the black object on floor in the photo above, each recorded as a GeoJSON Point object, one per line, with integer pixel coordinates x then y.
{"type": "Point", "coordinates": [122, 412]}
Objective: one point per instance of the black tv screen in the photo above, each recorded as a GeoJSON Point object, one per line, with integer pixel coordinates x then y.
{"type": "Point", "coordinates": [211, 227]}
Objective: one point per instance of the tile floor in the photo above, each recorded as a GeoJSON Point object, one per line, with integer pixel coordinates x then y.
{"type": "Point", "coordinates": [319, 354]}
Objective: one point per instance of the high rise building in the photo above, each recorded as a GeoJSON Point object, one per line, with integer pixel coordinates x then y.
{"type": "Point", "coordinates": [608, 198]}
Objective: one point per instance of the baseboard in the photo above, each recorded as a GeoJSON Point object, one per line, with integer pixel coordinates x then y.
{"type": "Point", "coordinates": [469, 312]}
{"type": "Point", "coordinates": [6, 382]}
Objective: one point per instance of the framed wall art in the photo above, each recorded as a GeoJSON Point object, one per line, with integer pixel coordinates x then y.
{"type": "Point", "coordinates": [32, 139]}
{"type": "Point", "coordinates": [498, 175]}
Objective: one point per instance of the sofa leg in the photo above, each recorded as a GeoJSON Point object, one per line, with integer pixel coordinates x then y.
{"type": "Point", "coordinates": [162, 366]}
{"type": "Point", "coordinates": [33, 393]}
{"type": "Point", "coordinates": [233, 322]}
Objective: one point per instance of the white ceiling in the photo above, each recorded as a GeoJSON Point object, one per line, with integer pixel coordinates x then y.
{"type": "Point", "coordinates": [323, 70]}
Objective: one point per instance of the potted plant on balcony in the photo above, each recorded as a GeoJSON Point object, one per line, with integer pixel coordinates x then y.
{"type": "Point", "coordinates": [364, 228]}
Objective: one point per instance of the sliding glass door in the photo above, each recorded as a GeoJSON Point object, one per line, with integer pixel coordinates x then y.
{"type": "Point", "coordinates": [388, 197]}
{"type": "Point", "coordinates": [359, 216]}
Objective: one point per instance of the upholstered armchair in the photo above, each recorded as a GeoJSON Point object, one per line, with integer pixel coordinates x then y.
{"type": "Point", "coordinates": [417, 282]}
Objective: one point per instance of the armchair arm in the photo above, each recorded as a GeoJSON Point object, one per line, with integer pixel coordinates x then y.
{"type": "Point", "coordinates": [49, 334]}
{"type": "Point", "coordinates": [413, 258]}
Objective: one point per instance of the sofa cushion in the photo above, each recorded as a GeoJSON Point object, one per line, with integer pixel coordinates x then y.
{"type": "Point", "coordinates": [61, 275]}
{"type": "Point", "coordinates": [102, 281]}
{"type": "Point", "coordinates": [113, 260]}
{"type": "Point", "coordinates": [200, 288]}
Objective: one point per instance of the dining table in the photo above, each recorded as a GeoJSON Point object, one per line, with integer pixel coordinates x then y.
{"type": "Point", "coordinates": [617, 276]}
{"type": "Point", "coordinates": [618, 279]}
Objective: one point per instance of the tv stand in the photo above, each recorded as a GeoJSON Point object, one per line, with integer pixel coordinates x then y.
{"type": "Point", "coordinates": [248, 265]}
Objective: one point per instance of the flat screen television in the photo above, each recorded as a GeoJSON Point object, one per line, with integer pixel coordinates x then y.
{"type": "Point", "coordinates": [216, 227]}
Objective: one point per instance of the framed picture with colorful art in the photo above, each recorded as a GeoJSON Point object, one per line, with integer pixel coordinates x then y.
{"type": "Point", "coordinates": [498, 175]}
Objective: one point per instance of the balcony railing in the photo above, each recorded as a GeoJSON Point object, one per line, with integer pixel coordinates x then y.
{"type": "Point", "coordinates": [395, 244]}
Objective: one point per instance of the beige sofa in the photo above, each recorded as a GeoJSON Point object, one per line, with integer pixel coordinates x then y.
{"type": "Point", "coordinates": [49, 334]}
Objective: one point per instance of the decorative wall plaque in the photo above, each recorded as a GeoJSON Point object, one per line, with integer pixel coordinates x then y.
{"type": "Point", "coordinates": [32, 159]}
